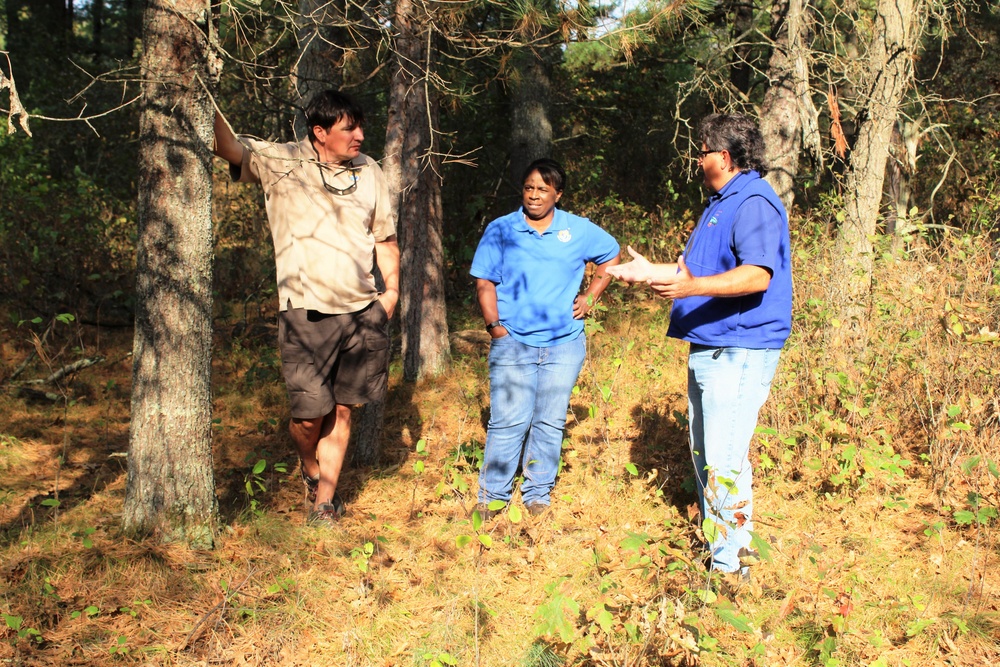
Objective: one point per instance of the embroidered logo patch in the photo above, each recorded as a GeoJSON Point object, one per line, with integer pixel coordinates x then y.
{"type": "Point", "coordinates": [564, 235]}
{"type": "Point", "coordinates": [714, 220]}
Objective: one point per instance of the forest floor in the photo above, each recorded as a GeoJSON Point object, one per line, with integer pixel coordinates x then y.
{"type": "Point", "coordinates": [875, 566]}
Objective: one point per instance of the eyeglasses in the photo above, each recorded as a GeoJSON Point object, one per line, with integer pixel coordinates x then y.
{"type": "Point", "coordinates": [701, 155]}
{"type": "Point", "coordinates": [353, 173]}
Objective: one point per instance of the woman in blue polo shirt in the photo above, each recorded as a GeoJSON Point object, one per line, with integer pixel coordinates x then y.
{"type": "Point", "coordinates": [528, 268]}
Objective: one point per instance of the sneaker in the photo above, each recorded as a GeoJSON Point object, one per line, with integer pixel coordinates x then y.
{"type": "Point", "coordinates": [536, 509]}
{"type": "Point", "coordinates": [311, 484]}
{"type": "Point", "coordinates": [323, 514]}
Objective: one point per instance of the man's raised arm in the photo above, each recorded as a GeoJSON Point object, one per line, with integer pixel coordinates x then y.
{"type": "Point", "coordinates": [227, 146]}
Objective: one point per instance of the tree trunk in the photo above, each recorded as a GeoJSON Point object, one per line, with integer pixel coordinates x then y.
{"type": "Point", "coordinates": [787, 107]}
{"type": "Point", "coordinates": [367, 420]}
{"type": "Point", "coordinates": [38, 34]}
{"type": "Point", "coordinates": [530, 128]}
{"type": "Point", "coordinates": [97, 27]}
{"type": "Point", "coordinates": [740, 67]}
{"type": "Point", "coordinates": [170, 490]}
{"type": "Point", "coordinates": [900, 167]}
{"type": "Point", "coordinates": [888, 71]}
{"type": "Point", "coordinates": [316, 69]}
{"type": "Point", "coordinates": [412, 167]}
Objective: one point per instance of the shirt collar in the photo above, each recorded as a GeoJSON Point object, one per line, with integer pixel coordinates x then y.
{"type": "Point", "coordinates": [560, 221]}
{"type": "Point", "coordinates": [735, 184]}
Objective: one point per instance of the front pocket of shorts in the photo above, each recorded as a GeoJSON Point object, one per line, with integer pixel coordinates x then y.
{"type": "Point", "coordinates": [377, 349]}
{"type": "Point", "coordinates": [290, 348]}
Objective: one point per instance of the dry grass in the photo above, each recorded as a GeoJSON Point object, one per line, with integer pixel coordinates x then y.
{"type": "Point", "coordinates": [869, 561]}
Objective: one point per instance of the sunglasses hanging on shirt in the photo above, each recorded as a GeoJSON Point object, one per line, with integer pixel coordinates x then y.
{"type": "Point", "coordinates": [352, 173]}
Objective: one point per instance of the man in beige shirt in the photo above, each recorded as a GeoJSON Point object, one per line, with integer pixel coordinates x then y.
{"type": "Point", "coordinates": [330, 216]}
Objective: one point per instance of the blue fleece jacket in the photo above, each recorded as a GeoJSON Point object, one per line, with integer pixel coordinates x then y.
{"type": "Point", "coordinates": [744, 223]}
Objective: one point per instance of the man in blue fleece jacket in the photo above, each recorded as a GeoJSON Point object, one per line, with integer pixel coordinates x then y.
{"type": "Point", "coordinates": [732, 292]}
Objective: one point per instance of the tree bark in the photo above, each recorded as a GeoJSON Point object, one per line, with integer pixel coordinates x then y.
{"type": "Point", "coordinates": [530, 128]}
{"type": "Point", "coordinates": [888, 73]}
{"type": "Point", "coordinates": [170, 489]}
{"type": "Point", "coordinates": [412, 166]}
{"type": "Point", "coordinates": [787, 106]}
{"type": "Point", "coordinates": [900, 167]}
{"type": "Point", "coordinates": [316, 68]}
{"type": "Point", "coordinates": [740, 68]}
{"type": "Point", "coordinates": [367, 420]}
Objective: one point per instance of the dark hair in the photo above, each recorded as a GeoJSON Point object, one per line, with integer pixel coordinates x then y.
{"type": "Point", "coordinates": [328, 107]}
{"type": "Point", "coordinates": [737, 134]}
{"type": "Point", "coordinates": [551, 172]}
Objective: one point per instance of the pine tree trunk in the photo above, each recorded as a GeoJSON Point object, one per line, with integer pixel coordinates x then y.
{"type": "Point", "coordinates": [413, 169]}
{"type": "Point", "coordinates": [170, 490]}
{"type": "Point", "coordinates": [366, 430]}
{"type": "Point", "coordinates": [782, 112]}
{"type": "Point", "coordinates": [741, 25]}
{"type": "Point", "coordinates": [530, 128]}
{"type": "Point", "coordinates": [367, 420]}
{"type": "Point", "coordinates": [888, 68]}
{"type": "Point", "coordinates": [316, 69]}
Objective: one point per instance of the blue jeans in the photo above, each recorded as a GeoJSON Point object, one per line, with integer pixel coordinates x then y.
{"type": "Point", "coordinates": [726, 389]}
{"type": "Point", "coordinates": [529, 395]}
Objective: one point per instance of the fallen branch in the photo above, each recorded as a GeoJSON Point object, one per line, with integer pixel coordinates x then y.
{"type": "Point", "coordinates": [72, 368]}
{"type": "Point", "coordinates": [38, 394]}
{"type": "Point", "coordinates": [69, 369]}
{"type": "Point", "coordinates": [21, 366]}
{"type": "Point", "coordinates": [220, 607]}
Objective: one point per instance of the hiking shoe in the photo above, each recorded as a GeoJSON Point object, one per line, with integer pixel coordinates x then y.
{"type": "Point", "coordinates": [536, 509]}
{"type": "Point", "coordinates": [311, 484]}
{"type": "Point", "coordinates": [323, 514]}
{"type": "Point", "coordinates": [485, 513]}
{"type": "Point", "coordinates": [338, 504]}
{"type": "Point", "coordinates": [747, 558]}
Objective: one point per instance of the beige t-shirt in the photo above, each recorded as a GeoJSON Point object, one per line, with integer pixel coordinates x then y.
{"type": "Point", "coordinates": [324, 242]}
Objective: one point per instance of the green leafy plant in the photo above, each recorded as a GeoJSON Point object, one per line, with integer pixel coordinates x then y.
{"type": "Point", "coordinates": [361, 555]}
{"type": "Point", "coordinates": [255, 482]}
{"type": "Point", "coordinates": [439, 659]}
{"type": "Point", "coordinates": [484, 539]}
{"type": "Point", "coordinates": [120, 646]}
{"type": "Point", "coordinates": [282, 584]}
{"type": "Point", "coordinates": [88, 612]}
{"type": "Point", "coordinates": [555, 616]}
{"type": "Point", "coordinates": [133, 609]}
{"type": "Point", "coordinates": [16, 623]}
{"type": "Point", "coordinates": [421, 451]}
{"type": "Point", "coordinates": [84, 536]}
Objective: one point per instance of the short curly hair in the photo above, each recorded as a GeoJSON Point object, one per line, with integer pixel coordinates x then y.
{"type": "Point", "coordinates": [552, 173]}
{"type": "Point", "coordinates": [737, 134]}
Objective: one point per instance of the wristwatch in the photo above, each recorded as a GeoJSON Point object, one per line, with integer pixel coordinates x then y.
{"type": "Point", "coordinates": [492, 325]}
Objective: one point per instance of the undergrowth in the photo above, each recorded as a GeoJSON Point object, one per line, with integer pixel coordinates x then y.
{"type": "Point", "coordinates": [876, 496]}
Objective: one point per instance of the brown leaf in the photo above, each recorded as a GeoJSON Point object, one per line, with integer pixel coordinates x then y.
{"type": "Point", "coordinates": [844, 605]}
{"type": "Point", "coordinates": [836, 131]}
{"type": "Point", "coordinates": [788, 606]}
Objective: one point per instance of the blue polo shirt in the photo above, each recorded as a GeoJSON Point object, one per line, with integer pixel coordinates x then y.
{"type": "Point", "coordinates": [744, 223]}
{"type": "Point", "coordinates": [538, 276]}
